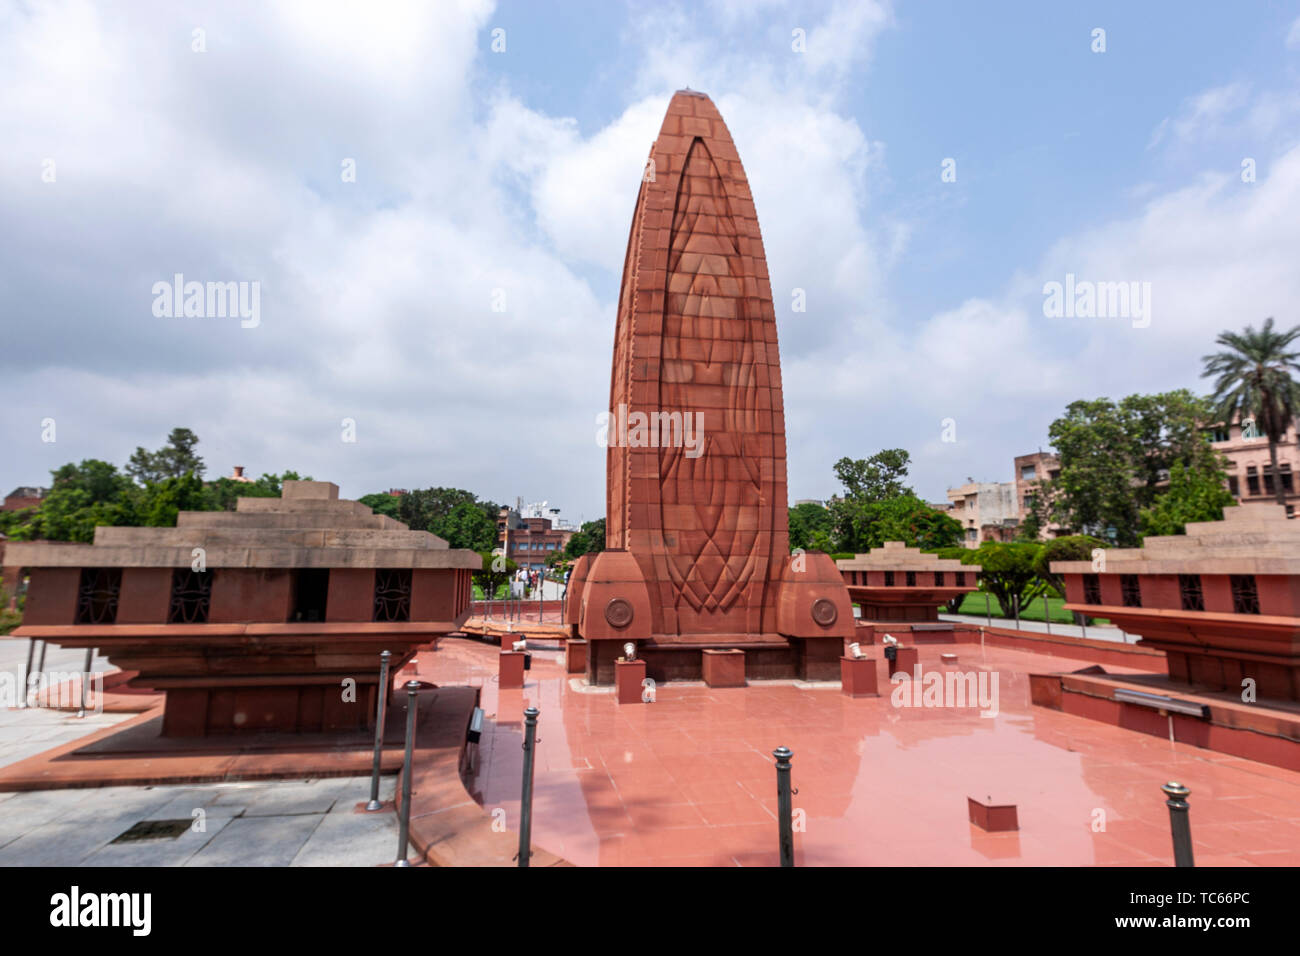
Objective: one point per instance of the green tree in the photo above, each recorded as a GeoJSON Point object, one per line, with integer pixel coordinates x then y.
{"type": "Point", "coordinates": [162, 500]}
{"type": "Point", "coordinates": [588, 539]}
{"type": "Point", "coordinates": [497, 570]}
{"type": "Point", "coordinates": [875, 478]}
{"type": "Point", "coordinates": [1192, 496]}
{"type": "Point", "coordinates": [811, 527]}
{"type": "Point", "coordinates": [382, 503]}
{"type": "Point", "coordinates": [1007, 572]}
{"type": "Point", "coordinates": [81, 497]}
{"type": "Point", "coordinates": [910, 520]}
{"type": "Point", "coordinates": [1077, 547]}
{"type": "Point", "coordinates": [174, 459]}
{"type": "Point", "coordinates": [877, 506]}
{"type": "Point", "coordinates": [468, 527]}
{"type": "Point", "coordinates": [1114, 457]}
{"type": "Point", "coordinates": [1253, 379]}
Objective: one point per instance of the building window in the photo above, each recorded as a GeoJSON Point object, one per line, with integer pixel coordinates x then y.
{"type": "Point", "coordinates": [97, 595]}
{"type": "Point", "coordinates": [1091, 589]}
{"type": "Point", "coordinates": [1054, 474]}
{"type": "Point", "coordinates": [1268, 479]}
{"type": "Point", "coordinates": [938, 579]}
{"type": "Point", "coordinates": [311, 588]}
{"type": "Point", "coordinates": [1245, 598]}
{"type": "Point", "coordinates": [889, 579]}
{"type": "Point", "coordinates": [1189, 585]}
{"type": "Point", "coordinates": [1027, 473]}
{"type": "Point", "coordinates": [910, 578]}
{"type": "Point", "coordinates": [1130, 590]}
{"type": "Point", "coordinates": [393, 594]}
{"type": "Point", "coordinates": [1219, 433]}
{"type": "Point", "coordinates": [961, 579]}
{"type": "Point", "coordinates": [1234, 486]}
{"type": "Point", "coordinates": [1285, 473]}
{"type": "Point", "coordinates": [191, 597]}
{"type": "Point", "coordinates": [1252, 480]}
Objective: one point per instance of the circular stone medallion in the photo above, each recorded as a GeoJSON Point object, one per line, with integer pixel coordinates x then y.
{"type": "Point", "coordinates": [618, 612]}
{"type": "Point", "coordinates": [824, 612]}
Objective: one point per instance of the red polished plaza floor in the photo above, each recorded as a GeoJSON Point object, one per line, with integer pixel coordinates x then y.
{"type": "Point", "coordinates": [690, 780]}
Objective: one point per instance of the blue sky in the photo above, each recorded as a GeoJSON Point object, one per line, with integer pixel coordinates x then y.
{"type": "Point", "coordinates": [517, 171]}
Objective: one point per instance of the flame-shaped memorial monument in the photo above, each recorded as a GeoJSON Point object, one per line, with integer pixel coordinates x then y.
{"type": "Point", "coordinates": [697, 545]}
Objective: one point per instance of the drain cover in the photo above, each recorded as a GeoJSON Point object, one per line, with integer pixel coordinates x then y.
{"type": "Point", "coordinates": [154, 830]}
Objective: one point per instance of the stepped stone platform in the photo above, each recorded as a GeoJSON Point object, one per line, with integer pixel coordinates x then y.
{"type": "Point", "coordinates": [270, 618]}
{"type": "Point", "coordinates": [895, 583]}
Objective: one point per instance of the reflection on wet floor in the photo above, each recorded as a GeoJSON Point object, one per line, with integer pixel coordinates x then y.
{"type": "Point", "coordinates": [689, 780]}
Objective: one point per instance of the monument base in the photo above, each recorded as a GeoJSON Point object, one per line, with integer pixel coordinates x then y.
{"type": "Point", "coordinates": [768, 658]}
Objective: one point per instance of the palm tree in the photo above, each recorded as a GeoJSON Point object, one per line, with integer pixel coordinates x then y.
{"type": "Point", "coordinates": [1254, 380]}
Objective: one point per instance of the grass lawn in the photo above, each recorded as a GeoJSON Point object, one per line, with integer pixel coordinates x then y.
{"type": "Point", "coordinates": [974, 604]}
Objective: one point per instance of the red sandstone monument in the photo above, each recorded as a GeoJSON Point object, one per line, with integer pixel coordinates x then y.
{"type": "Point", "coordinates": [697, 542]}
{"type": "Point", "coordinates": [1222, 601]}
{"type": "Point", "coordinates": [898, 584]}
{"type": "Point", "coordinates": [252, 620]}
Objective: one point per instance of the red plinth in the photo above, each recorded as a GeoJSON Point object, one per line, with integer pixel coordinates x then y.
{"type": "Point", "coordinates": [511, 669]}
{"type": "Point", "coordinates": [628, 676]}
{"type": "Point", "coordinates": [905, 662]}
{"type": "Point", "coordinates": [993, 817]}
{"type": "Point", "coordinates": [724, 668]}
{"type": "Point", "coordinates": [858, 676]}
{"type": "Point", "coordinates": [508, 640]}
{"type": "Point", "coordinates": [575, 656]}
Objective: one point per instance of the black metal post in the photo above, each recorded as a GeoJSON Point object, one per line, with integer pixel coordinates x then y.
{"type": "Point", "coordinates": [85, 679]}
{"type": "Point", "coordinates": [1179, 824]}
{"type": "Point", "coordinates": [1047, 612]}
{"type": "Point", "coordinates": [988, 610]}
{"type": "Point", "coordinates": [27, 672]}
{"type": "Point", "coordinates": [40, 669]}
{"type": "Point", "coordinates": [404, 831]}
{"type": "Point", "coordinates": [784, 811]}
{"type": "Point", "coordinates": [381, 712]}
{"type": "Point", "coordinates": [526, 798]}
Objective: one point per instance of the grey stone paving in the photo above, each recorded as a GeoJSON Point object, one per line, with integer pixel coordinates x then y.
{"type": "Point", "coordinates": [261, 823]}
{"type": "Point", "coordinates": [264, 823]}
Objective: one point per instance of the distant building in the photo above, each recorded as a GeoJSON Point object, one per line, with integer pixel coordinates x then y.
{"type": "Point", "coordinates": [528, 536]}
{"type": "Point", "coordinates": [987, 511]}
{"type": "Point", "coordinates": [238, 475]}
{"type": "Point", "coordinates": [994, 511]}
{"type": "Point", "coordinates": [1250, 470]}
{"type": "Point", "coordinates": [24, 496]}
{"type": "Point", "coordinates": [1040, 466]}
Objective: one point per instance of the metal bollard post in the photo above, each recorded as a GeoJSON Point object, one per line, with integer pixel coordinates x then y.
{"type": "Point", "coordinates": [526, 798]}
{"type": "Point", "coordinates": [27, 672]}
{"type": "Point", "coordinates": [382, 709]}
{"type": "Point", "coordinates": [404, 830]}
{"type": "Point", "coordinates": [1179, 824]}
{"type": "Point", "coordinates": [1047, 613]}
{"type": "Point", "coordinates": [784, 811]}
{"type": "Point", "coordinates": [85, 679]}
{"type": "Point", "coordinates": [40, 668]}
{"type": "Point", "coordinates": [988, 610]}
